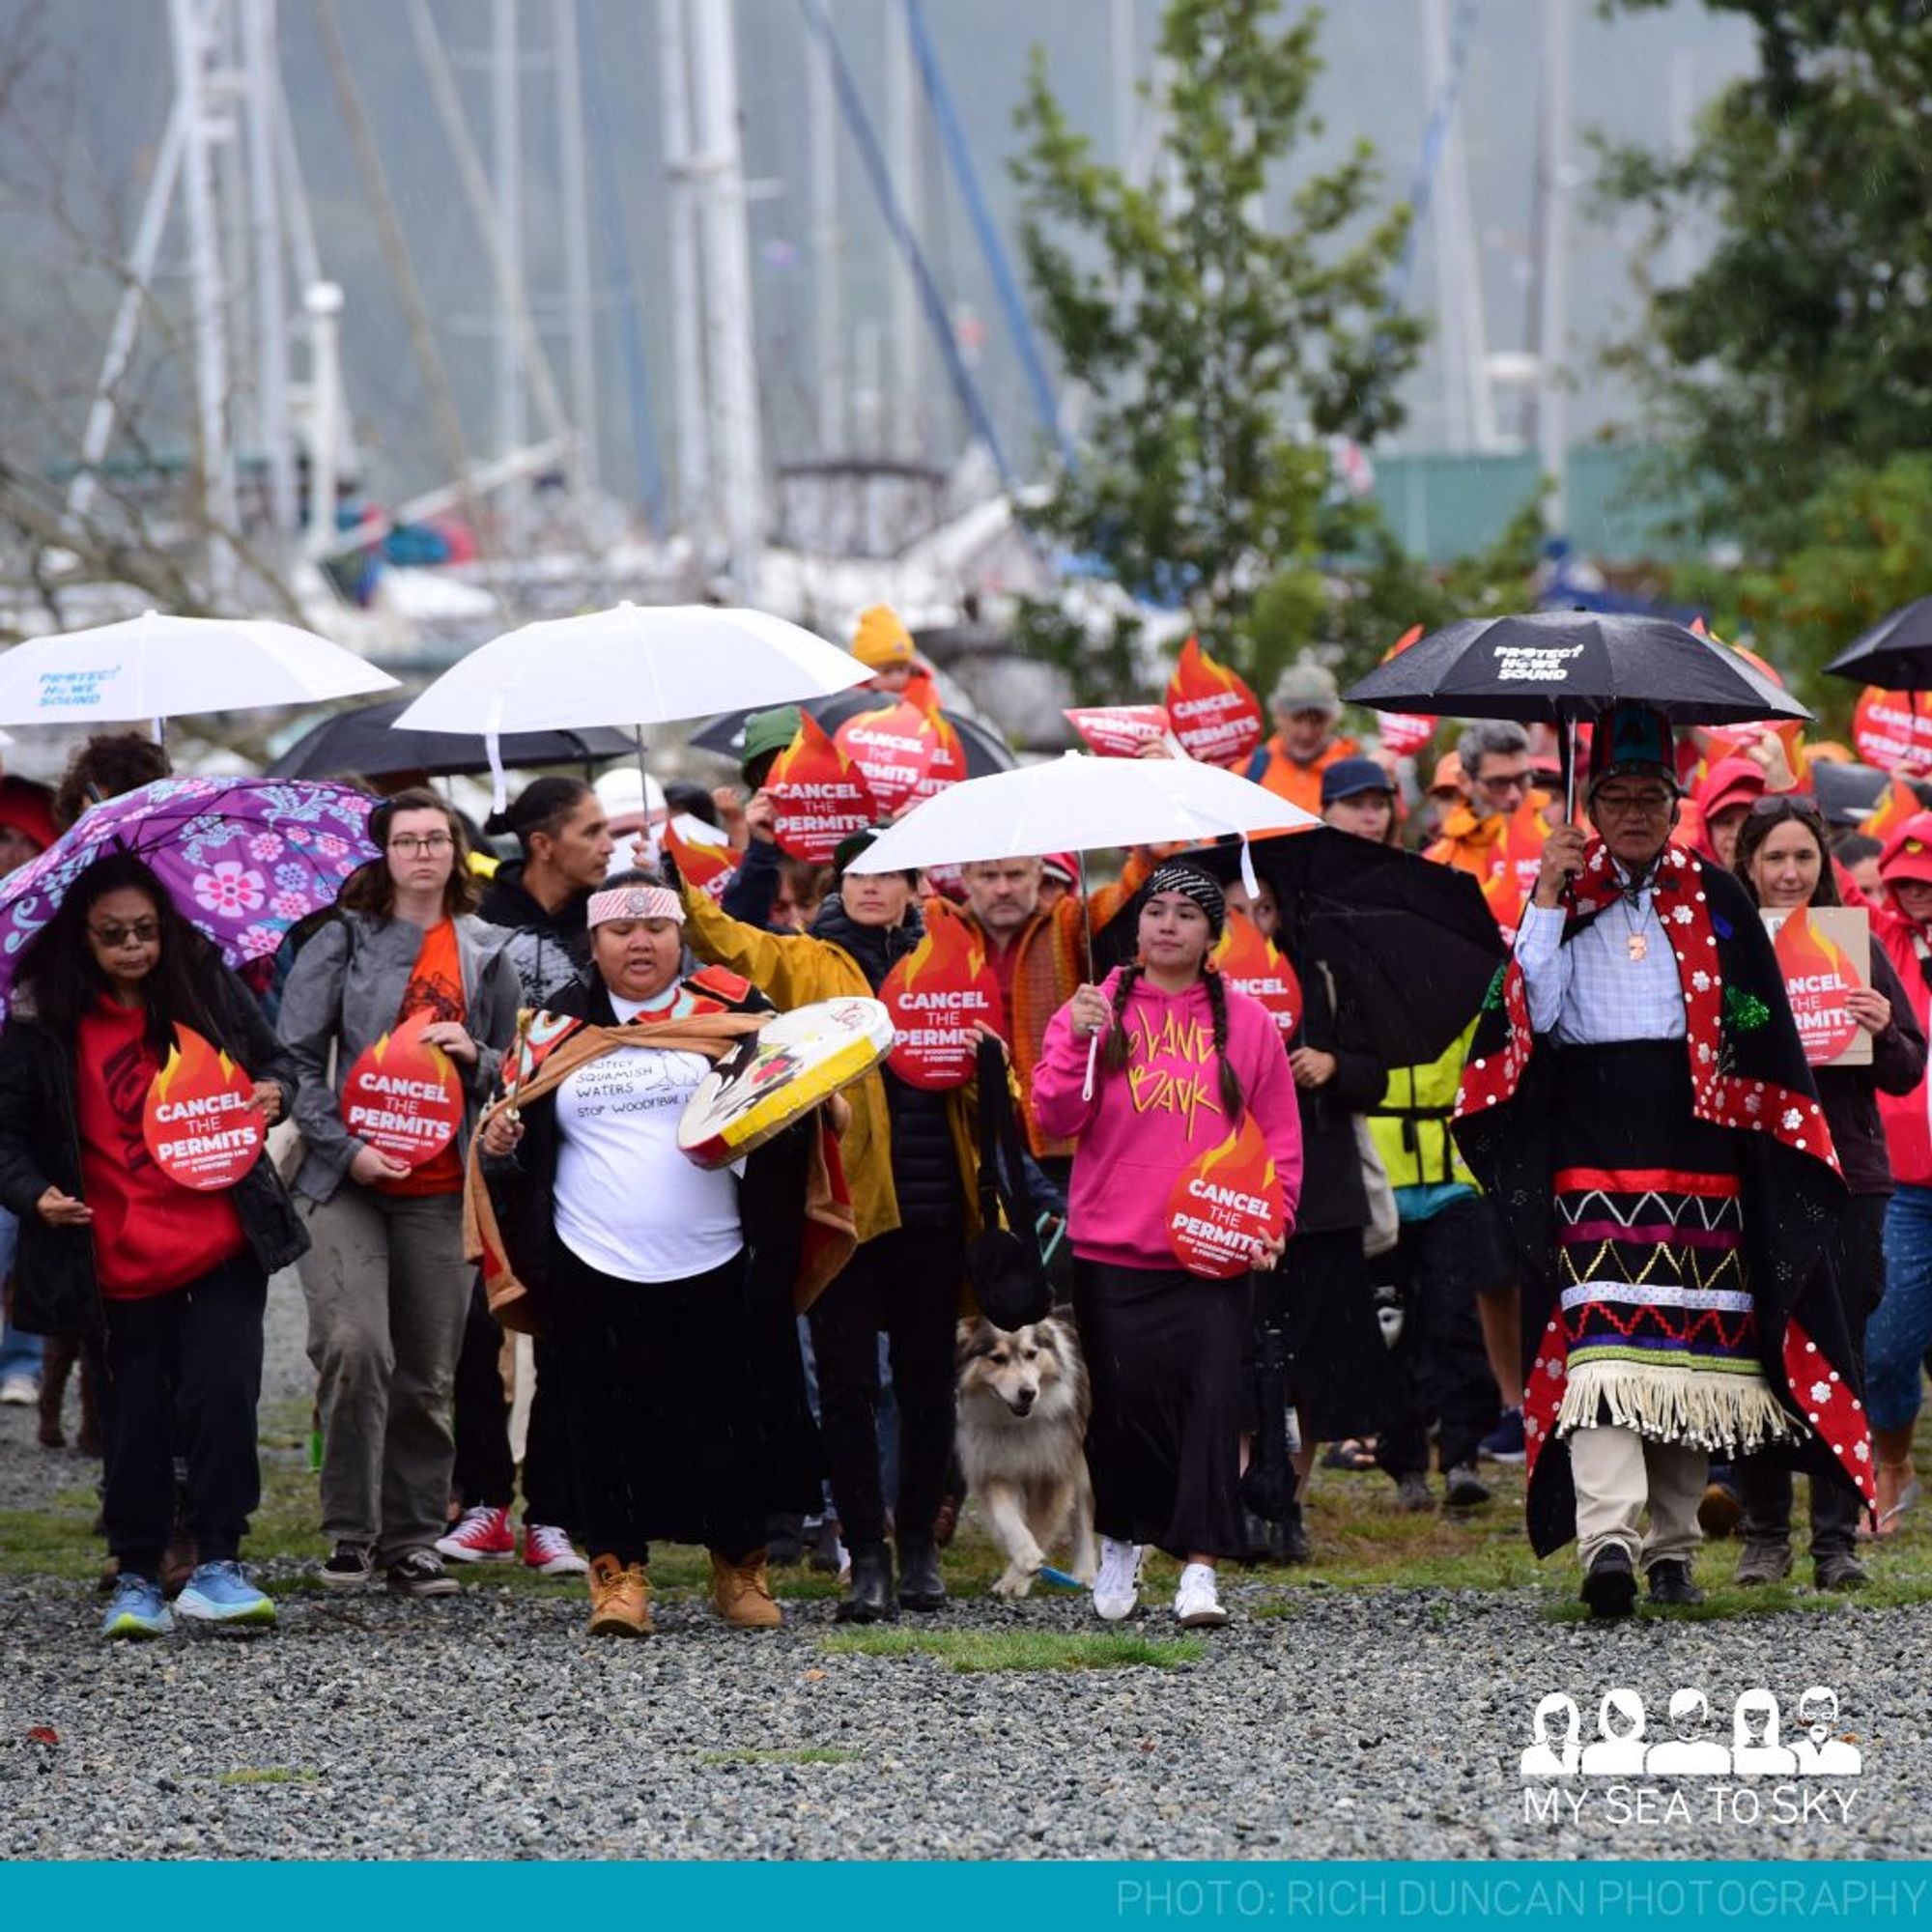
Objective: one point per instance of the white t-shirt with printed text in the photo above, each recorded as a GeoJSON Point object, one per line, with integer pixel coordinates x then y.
{"type": "Point", "coordinates": [628, 1202]}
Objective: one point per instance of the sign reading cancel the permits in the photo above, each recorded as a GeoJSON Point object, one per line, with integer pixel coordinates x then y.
{"type": "Point", "coordinates": [403, 1097]}
{"type": "Point", "coordinates": [1225, 1201]}
{"type": "Point", "coordinates": [201, 1122]}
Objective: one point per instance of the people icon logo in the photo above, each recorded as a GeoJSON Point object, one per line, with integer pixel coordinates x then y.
{"type": "Point", "coordinates": [1623, 1751]}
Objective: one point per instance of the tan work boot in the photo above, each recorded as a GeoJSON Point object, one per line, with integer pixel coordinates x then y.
{"type": "Point", "coordinates": [620, 1599]}
{"type": "Point", "coordinates": [741, 1592]}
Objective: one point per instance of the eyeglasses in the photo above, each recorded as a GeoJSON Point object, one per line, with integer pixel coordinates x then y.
{"type": "Point", "coordinates": [408, 843]}
{"type": "Point", "coordinates": [111, 933]}
{"type": "Point", "coordinates": [1630, 802]}
{"type": "Point", "coordinates": [1508, 781]}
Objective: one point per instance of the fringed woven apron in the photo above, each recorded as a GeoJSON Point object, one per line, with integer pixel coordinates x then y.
{"type": "Point", "coordinates": [1652, 1268]}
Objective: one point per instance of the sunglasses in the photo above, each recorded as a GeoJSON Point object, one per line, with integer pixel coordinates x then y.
{"type": "Point", "coordinates": [111, 933]}
{"type": "Point", "coordinates": [1787, 805]}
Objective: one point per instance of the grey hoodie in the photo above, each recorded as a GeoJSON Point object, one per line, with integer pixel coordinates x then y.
{"type": "Point", "coordinates": [344, 995]}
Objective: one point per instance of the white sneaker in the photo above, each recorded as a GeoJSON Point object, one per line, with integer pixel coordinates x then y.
{"type": "Point", "coordinates": [19, 1392]}
{"type": "Point", "coordinates": [1195, 1603]}
{"type": "Point", "coordinates": [1117, 1588]}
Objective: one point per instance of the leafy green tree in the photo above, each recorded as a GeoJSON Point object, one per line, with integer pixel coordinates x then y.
{"type": "Point", "coordinates": [1802, 344]}
{"type": "Point", "coordinates": [1226, 320]}
{"type": "Point", "coordinates": [1861, 552]}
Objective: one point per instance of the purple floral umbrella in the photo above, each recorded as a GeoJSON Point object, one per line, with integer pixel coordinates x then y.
{"type": "Point", "coordinates": [243, 858]}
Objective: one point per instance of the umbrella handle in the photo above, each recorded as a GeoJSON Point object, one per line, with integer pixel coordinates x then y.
{"type": "Point", "coordinates": [1092, 1061]}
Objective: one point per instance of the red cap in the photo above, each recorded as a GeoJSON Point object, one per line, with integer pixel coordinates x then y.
{"type": "Point", "coordinates": [1730, 782]}
{"type": "Point", "coordinates": [25, 807]}
{"type": "Point", "coordinates": [1908, 852]}
{"type": "Point", "coordinates": [1064, 865]}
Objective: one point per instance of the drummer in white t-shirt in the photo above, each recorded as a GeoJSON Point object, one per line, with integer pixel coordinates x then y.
{"type": "Point", "coordinates": [684, 1395]}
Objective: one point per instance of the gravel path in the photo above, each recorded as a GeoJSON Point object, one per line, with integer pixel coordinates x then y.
{"type": "Point", "coordinates": [1321, 1724]}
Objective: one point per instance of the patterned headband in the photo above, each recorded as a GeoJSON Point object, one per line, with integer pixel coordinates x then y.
{"type": "Point", "coordinates": [635, 902]}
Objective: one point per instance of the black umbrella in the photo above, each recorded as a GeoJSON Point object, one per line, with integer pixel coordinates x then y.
{"type": "Point", "coordinates": [1566, 667]}
{"type": "Point", "coordinates": [1895, 654]}
{"type": "Point", "coordinates": [1414, 942]}
{"type": "Point", "coordinates": [1549, 666]}
{"type": "Point", "coordinates": [985, 750]}
{"type": "Point", "coordinates": [364, 741]}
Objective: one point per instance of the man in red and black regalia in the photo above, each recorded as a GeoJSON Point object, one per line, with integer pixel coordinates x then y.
{"type": "Point", "coordinates": [1638, 1103]}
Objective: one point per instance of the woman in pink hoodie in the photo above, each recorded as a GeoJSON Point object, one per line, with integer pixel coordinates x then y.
{"type": "Point", "coordinates": [1183, 1057]}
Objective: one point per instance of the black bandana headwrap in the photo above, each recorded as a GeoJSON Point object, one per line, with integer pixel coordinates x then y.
{"type": "Point", "coordinates": [1194, 884]}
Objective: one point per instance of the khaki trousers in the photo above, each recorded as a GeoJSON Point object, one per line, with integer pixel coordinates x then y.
{"type": "Point", "coordinates": [387, 1290]}
{"type": "Point", "coordinates": [1616, 1472]}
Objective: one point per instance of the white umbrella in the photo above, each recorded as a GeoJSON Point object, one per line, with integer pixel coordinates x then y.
{"type": "Point", "coordinates": [635, 666]}
{"type": "Point", "coordinates": [1076, 804]}
{"type": "Point", "coordinates": [158, 667]}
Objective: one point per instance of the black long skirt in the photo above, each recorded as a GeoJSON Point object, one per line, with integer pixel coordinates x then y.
{"type": "Point", "coordinates": [685, 1404]}
{"type": "Point", "coordinates": [1322, 1297]}
{"type": "Point", "coordinates": [1163, 1351]}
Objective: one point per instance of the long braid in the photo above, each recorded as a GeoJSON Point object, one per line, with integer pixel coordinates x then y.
{"type": "Point", "coordinates": [1114, 1055]}
{"type": "Point", "coordinates": [1231, 1081]}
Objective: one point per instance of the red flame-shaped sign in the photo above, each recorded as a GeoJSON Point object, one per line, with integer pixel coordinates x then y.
{"type": "Point", "coordinates": [1225, 1201]}
{"type": "Point", "coordinates": [1404, 733]}
{"type": "Point", "coordinates": [1216, 717]}
{"type": "Point", "coordinates": [1817, 977]}
{"type": "Point", "coordinates": [200, 1122]}
{"type": "Point", "coordinates": [1890, 729]}
{"type": "Point", "coordinates": [893, 748]}
{"type": "Point", "coordinates": [1119, 731]}
{"type": "Point", "coordinates": [938, 995]}
{"type": "Point", "coordinates": [1252, 965]}
{"type": "Point", "coordinates": [709, 868]}
{"type": "Point", "coordinates": [819, 796]}
{"type": "Point", "coordinates": [1513, 861]}
{"type": "Point", "coordinates": [403, 1097]}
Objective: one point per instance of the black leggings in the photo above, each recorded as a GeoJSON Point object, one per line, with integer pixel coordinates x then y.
{"type": "Point", "coordinates": [483, 1471]}
{"type": "Point", "coordinates": [907, 1284]}
{"type": "Point", "coordinates": [184, 1376]}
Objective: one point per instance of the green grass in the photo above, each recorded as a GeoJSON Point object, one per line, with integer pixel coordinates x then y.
{"type": "Point", "coordinates": [272, 1775]}
{"type": "Point", "coordinates": [1020, 1650]}
{"type": "Point", "coordinates": [1361, 1543]}
{"type": "Point", "coordinates": [804, 1754]}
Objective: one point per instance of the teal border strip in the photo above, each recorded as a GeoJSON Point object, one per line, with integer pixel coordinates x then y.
{"type": "Point", "coordinates": [987, 1897]}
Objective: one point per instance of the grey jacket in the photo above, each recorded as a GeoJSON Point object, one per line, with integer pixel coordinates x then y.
{"type": "Point", "coordinates": [344, 995]}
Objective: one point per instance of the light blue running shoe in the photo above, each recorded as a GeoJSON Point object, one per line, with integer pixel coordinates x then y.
{"type": "Point", "coordinates": [136, 1608]}
{"type": "Point", "coordinates": [219, 1593]}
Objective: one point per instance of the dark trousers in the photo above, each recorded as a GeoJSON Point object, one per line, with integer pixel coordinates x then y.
{"type": "Point", "coordinates": [905, 1284]}
{"type": "Point", "coordinates": [647, 1387]}
{"type": "Point", "coordinates": [184, 1376]}
{"type": "Point", "coordinates": [484, 1472]}
{"type": "Point", "coordinates": [1764, 1481]}
{"type": "Point", "coordinates": [1441, 1264]}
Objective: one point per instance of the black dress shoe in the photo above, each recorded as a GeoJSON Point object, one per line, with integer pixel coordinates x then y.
{"type": "Point", "coordinates": [869, 1598]}
{"type": "Point", "coordinates": [921, 1587]}
{"type": "Point", "coordinates": [1670, 1583]}
{"type": "Point", "coordinates": [1609, 1584]}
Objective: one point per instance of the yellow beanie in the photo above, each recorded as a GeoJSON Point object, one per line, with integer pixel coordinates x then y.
{"type": "Point", "coordinates": [881, 639]}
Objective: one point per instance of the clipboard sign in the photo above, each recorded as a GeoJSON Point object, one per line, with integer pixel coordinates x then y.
{"type": "Point", "coordinates": [1824, 953]}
